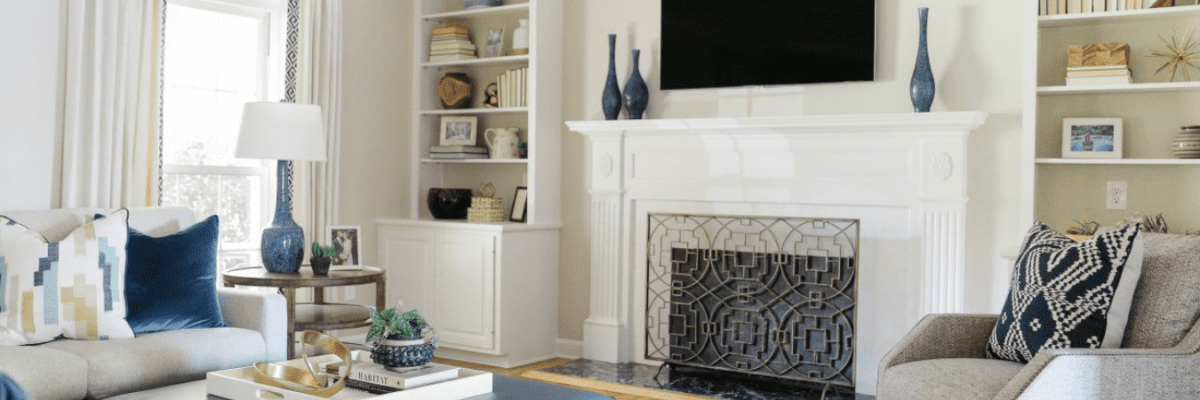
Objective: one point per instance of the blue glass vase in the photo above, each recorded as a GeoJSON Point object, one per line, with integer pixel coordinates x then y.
{"type": "Point", "coordinates": [921, 86]}
{"type": "Point", "coordinates": [610, 102]}
{"type": "Point", "coordinates": [637, 95]}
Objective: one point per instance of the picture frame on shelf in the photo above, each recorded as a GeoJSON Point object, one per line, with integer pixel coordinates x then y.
{"type": "Point", "coordinates": [346, 242]}
{"type": "Point", "coordinates": [495, 43]}
{"type": "Point", "coordinates": [520, 204]}
{"type": "Point", "coordinates": [458, 131]}
{"type": "Point", "coordinates": [1092, 137]}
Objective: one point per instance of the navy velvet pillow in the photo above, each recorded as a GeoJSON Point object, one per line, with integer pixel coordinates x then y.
{"type": "Point", "coordinates": [170, 281]}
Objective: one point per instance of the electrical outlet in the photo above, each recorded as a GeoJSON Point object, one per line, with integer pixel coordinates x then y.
{"type": "Point", "coordinates": [349, 294]}
{"type": "Point", "coordinates": [1116, 195]}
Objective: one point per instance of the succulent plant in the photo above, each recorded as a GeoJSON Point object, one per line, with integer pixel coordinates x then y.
{"type": "Point", "coordinates": [323, 251]}
{"type": "Point", "coordinates": [407, 324]}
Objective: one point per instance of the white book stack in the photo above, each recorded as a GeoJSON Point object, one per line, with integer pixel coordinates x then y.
{"type": "Point", "coordinates": [511, 87]}
{"type": "Point", "coordinates": [458, 152]}
{"type": "Point", "coordinates": [1100, 75]}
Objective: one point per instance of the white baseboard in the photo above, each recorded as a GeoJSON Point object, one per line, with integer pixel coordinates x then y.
{"type": "Point", "coordinates": [568, 348]}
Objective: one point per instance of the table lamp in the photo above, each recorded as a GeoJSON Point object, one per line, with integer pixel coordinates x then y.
{"type": "Point", "coordinates": [285, 132]}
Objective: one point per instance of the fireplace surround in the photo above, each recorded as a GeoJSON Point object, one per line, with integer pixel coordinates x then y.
{"type": "Point", "coordinates": [901, 176]}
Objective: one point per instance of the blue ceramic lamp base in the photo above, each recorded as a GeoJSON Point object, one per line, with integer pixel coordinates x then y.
{"type": "Point", "coordinates": [283, 241]}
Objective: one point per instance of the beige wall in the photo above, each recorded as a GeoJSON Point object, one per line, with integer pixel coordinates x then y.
{"type": "Point", "coordinates": [375, 115]}
{"type": "Point", "coordinates": [976, 56]}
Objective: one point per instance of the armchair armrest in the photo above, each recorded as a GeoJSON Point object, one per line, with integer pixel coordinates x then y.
{"type": "Point", "coordinates": [942, 336]}
{"type": "Point", "coordinates": [1107, 374]}
{"type": "Point", "coordinates": [263, 312]}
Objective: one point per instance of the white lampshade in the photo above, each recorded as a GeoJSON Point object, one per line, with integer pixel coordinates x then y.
{"type": "Point", "coordinates": [282, 131]}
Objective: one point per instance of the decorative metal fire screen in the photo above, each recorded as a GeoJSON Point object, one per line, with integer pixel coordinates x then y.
{"type": "Point", "coordinates": [760, 295]}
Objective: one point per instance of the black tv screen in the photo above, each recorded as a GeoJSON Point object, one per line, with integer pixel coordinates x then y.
{"type": "Point", "coordinates": [730, 43]}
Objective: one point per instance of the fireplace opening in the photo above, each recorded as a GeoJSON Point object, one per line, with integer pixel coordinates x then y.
{"type": "Point", "coordinates": [768, 297]}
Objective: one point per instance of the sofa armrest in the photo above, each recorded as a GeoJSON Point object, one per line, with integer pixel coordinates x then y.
{"type": "Point", "coordinates": [942, 336]}
{"type": "Point", "coordinates": [1107, 374]}
{"type": "Point", "coordinates": [259, 311]}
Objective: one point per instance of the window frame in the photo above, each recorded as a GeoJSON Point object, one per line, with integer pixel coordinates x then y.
{"type": "Point", "coordinates": [272, 17]}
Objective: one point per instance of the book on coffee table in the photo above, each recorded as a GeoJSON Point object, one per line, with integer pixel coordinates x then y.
{"type": "Point", "coordinates": [373, 375]}
{"type": "Point", "coordinates": [239, 384]}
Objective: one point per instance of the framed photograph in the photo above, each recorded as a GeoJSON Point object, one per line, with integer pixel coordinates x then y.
{"type": "Point", "coordinates": [1092, 137]}
{"type": "Point", "coordinates": [520, 203]}
{"type": "Point", "coordinates": [346, 242]}
{"type": "Point", "coordinates": [495, 43]}
{"type": "Point", "coordinates": [458, 131]}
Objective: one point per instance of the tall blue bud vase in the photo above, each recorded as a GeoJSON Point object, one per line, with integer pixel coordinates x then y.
{"type": "Point", "coordinates": [611, 100]}
{"type": "Point", "coordinates": [637, 95]}
{"type": "Point", "coordinates": [922, 87]}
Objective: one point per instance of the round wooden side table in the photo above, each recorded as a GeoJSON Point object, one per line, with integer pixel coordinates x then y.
{"type": "Point", "coordinates": [318, 315]}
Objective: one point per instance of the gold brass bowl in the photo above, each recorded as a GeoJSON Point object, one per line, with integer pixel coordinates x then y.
{"type": "Point", "coordinates": [307, 381]}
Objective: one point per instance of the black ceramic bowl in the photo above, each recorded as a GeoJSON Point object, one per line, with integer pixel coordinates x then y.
{"type": "Point", "coordinates": [449, 203]}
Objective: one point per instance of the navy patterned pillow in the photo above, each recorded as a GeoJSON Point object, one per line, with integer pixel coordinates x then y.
{"type": "Point", "coordinates": [1068, 295]}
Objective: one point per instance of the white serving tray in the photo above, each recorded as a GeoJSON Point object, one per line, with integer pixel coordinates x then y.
{"type": "Point", "coordinates": [239, 384]}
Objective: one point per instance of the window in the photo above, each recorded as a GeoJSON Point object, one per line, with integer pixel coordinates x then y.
{"type": "Point", "coordinates": [218, 55]}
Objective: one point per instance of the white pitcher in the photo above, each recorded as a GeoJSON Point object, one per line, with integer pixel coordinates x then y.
{"type": "Point", "coordinates": [502, 142]}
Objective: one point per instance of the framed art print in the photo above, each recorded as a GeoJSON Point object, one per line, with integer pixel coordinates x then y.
{"type": "Point", "coordinates": [1092, 137]}
{"type": "Point", "coordinates": [458, 131]}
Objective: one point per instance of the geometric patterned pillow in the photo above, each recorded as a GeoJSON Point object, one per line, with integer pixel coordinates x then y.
{"type": "Point", "coordinates": [28, 286]}
{"type": "Point", "coordinates": [74, 288]}
{"type": "Point", "coordinates": [1068, 295]}
{"type": "Point", "coordinates": [92, 279]}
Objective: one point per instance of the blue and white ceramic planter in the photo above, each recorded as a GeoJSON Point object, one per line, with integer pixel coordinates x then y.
{"type": "Point", "coordinates": [402, 352]}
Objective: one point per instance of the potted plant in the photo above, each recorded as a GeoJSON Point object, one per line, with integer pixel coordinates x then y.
{"type": "Point", "coordinates": [401, 339]}
{"type": "Point", "coordinates": [322, 256]}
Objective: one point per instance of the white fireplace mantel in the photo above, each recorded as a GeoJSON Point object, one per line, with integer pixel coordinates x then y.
{"type": "Point", "coordinates": [903, 175]}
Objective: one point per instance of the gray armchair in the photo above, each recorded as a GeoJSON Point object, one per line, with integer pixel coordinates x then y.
{"type": "Point", "coordinates": [943, 357]}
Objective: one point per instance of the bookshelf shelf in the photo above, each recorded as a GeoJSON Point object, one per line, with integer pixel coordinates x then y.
{"type": "Point", "coordinates": [1084, 19]}
{"type": "Point", "coordinates": [486, 12]}
{"type": "Point", "coordinates": [479, 62]}
{"type": "Point", "coordinates": [1127, 88]}
{"type": "Point", "coordinates": [1122, 161]}
{"type": "Point", "coordinates": [473, 111]}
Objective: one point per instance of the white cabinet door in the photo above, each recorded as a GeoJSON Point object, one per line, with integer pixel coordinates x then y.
{"type": "Point", "coordinates": [407, 255]}
{"type": "Point", "coordinates": [463, 290]}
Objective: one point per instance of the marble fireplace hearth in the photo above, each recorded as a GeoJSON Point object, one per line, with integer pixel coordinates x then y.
{"type": "Point", "coordinates": [902, 176]}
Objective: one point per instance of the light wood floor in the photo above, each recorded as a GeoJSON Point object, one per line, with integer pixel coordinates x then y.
{"type": "Point", "coordinates": [618, 392]}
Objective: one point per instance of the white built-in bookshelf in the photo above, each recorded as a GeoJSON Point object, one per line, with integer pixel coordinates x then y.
{"type": "Point", "coordinates": [1061, 191]}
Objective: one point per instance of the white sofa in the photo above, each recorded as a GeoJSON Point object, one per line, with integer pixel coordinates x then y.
{"type": "Point", "coordinates": [77, 369]}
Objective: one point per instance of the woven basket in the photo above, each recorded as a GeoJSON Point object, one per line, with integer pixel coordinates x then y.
{"type": "Point", "coordinates": [485, 209]}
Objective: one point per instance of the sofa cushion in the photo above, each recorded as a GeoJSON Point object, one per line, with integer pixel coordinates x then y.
{"type": "Point", "coordinates": [1068, 295]}
{"type": "Point", "coordinates": [948, 379]}
{"type": "Point", "coordinates": [1166, 303]}
{"type": "Point", "coordinates": [163, 358]}
{"type": "Point", "coordinates": [31, 366]}
{"type": "Point", "coordinates": [171, 280]}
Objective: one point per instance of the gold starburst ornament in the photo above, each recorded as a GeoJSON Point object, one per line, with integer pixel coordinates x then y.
{"type": "Point", "coordinates": [1181, 55]}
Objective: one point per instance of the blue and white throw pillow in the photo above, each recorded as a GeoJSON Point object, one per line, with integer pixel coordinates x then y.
{"type": "Point", "coordinates": [1068, 295]}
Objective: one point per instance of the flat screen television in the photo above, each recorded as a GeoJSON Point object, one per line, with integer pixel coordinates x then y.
{"type": "Point", "coordinates": [731, 43]}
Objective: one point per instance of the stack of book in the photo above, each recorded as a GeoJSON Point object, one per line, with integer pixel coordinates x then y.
{"type": "Point", "coordinates": [457, 152]}
{"type": "Point", "coordinates": [1056, 7]}
{"type": "Point", "coordinates": [451, 43]}
{"type": "Point", "coordinates": [374, 378]}
{"type": "Point", "coordinates": [1099, 75]}
{"type": "Point", "coordinates": [511, 87]}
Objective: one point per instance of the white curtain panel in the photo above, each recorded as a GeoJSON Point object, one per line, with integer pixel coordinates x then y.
{"type": "Point", "coordinates": [111, 104]}
{"type": "Point", "coordinates": [318, 80]}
